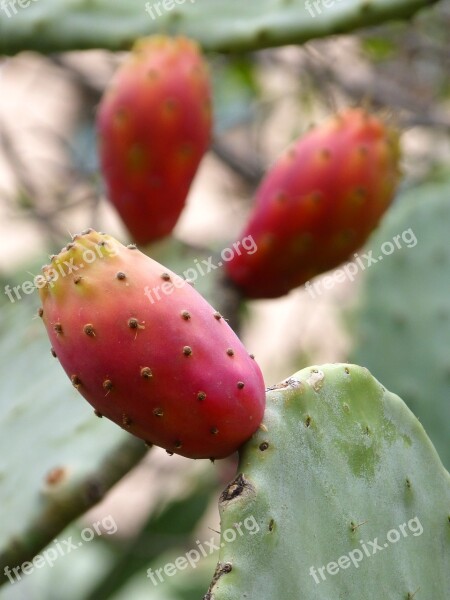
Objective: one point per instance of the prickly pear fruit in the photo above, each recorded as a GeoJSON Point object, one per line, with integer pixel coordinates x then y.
{"type": "Point", "coordinates": [147, 350]}
{"type": "Point", "coordinates": [154, 126]}
{"type": "Point", "coordinates": [319, 203]}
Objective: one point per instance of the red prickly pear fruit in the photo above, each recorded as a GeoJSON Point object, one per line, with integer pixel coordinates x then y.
{"type": "Point", "coordinates": [318, 204]}
{"type": "Point", "coordinates": [154, 126]}
{"type": "Point", "coordinates": [147, 351]}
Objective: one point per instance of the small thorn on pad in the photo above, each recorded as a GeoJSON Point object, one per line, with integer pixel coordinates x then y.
{"type": "Point", "coordinates": [41, 312]}
{"type": "Point", "coordinates": [121, 276]}
{"type": "Point", "coordinates": [126, 420]}
{"type": "Point", "coordinates": [201, 396]}
{"type": "Point", "coordinates": [187, 351]}
{"type": "Point", "coordinates": [214, 430]}
{"type": "Point", "coordinates": [158, 412]}
{"type": "Point", "coordinates": [240, 385]}
{"type": "Point", "coordinates": [98, 414]}
{"type": "Point", "coordinates": [53, 352]}
{"type": "Point", "coordinates": [186, 315]}
{"type": "Point", "coordinates": [165, 276]}
{"type": "Point", "coordinates": [58, 328]}
{"type": "Point", "coordinates": [230, 352]}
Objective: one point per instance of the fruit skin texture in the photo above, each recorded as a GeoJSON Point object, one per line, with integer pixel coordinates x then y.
{"type": "Point", "coordinates": [170, 371]}
{"type": "Point", "coordinates": [318, 204]}
{"type": "Point", "coordinates": [154, 126]}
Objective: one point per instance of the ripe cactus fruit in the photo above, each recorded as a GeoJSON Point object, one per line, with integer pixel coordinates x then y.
{"type": "Point", "coordinates": [340, 494]}
{"type": "Point", "coordinates": [147, 351]}
{"type": "Point", "coordinates": [319, 203]}
{"type": "Point", "coordinates": [154, 126]}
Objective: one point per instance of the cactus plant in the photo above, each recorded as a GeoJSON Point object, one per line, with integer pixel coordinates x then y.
{"type": "Point", "coordinates": [339, 492]}
{"type": "Point", "coordinates": [224, 25]}
{"type": "Point", "coordinates": [347, 493]}
{"type": "Point", "coordinates": [403, 310]}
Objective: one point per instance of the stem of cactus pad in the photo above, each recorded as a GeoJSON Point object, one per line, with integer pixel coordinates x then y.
{"type": "Point", "coordinates": [222, 25]}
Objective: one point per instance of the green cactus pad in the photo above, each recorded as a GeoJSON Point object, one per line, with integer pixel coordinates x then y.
{"type": "Point", "coordinates": [224, 25]}
{"type": "Point", "coordinates": [348, 495]}
{"type": "Point", "coordinates": [402, 326]}
{"type": "Point", "coordinates": [56, 458]}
